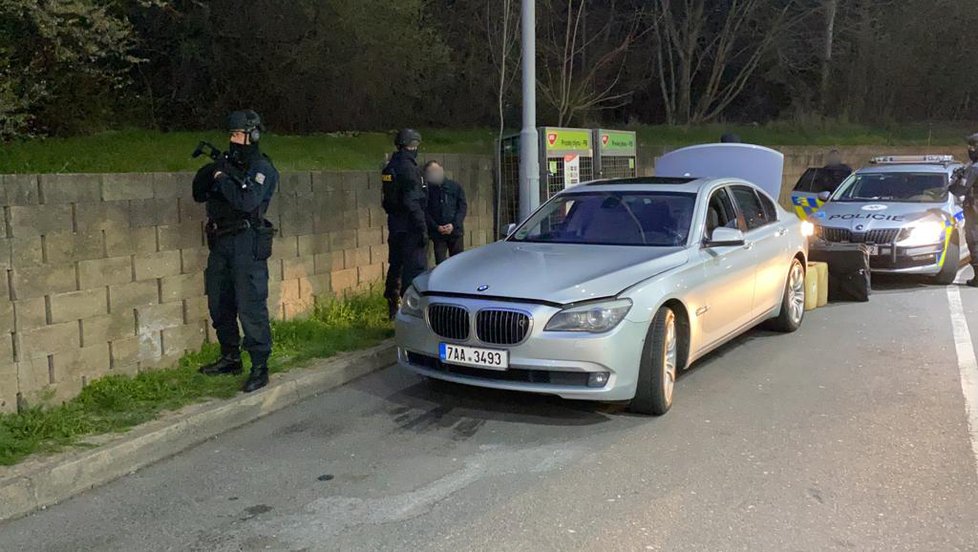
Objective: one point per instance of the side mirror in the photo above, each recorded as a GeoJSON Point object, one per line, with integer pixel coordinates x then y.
{"type": "Point", "coordinates": [510, 228]}
{"type": "Point", "coordinates": [725, 237]}
{"type": "Point", "coordinates": [824, 196]}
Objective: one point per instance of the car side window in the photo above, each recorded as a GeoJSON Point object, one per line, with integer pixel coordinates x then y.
{"type": "Point", "coordinates": [750, 206]}
{"type": "Point", "coordinates": [770, 211]}
{"type": "Point", "coordinates": [720, 212]}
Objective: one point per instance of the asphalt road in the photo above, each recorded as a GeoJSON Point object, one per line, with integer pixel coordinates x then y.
{"type": "Point", "coordinates": [850, 434]}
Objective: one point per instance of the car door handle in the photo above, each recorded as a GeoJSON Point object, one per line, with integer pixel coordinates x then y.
{"type": "Point", "coordinates": [782, 231]}
{"type": "Point", "coordinates": [749, 245]}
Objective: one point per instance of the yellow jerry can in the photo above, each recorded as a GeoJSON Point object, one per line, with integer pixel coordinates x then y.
{"type": "Point", "coordinates": [811, 287]}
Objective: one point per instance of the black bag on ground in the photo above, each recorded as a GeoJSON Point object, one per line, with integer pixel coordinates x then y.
{"type": "Point", "coordinates": [849, 276]}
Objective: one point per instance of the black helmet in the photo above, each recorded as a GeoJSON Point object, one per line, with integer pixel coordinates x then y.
{"type": "Point", "coordinates": [407, 137]}
{"type": "Point", "coordinates": [246, 120]}
{"type": "Point", "coordinates": [730, 138]}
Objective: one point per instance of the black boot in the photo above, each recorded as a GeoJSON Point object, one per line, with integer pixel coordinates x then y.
{"type": "Point", "coordinates": [229, 363]}
{"type": "Point", "coordinates": [257, 379]}
{"type": "Point", "coordinates": [393, 303]}
{"type": "Point", "coordinates": [973, 282]}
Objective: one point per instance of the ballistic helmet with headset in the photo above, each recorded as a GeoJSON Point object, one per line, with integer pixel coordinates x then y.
{"type": "Point", "coordinates": [248, 122]}
{"type": "Point", "coordinates": [407, 137]}
{"type": "Point", "coordinates": [973, 147]}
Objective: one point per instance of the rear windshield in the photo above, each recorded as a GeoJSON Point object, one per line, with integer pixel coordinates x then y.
{"type": "Point", "coordinates": [817, 180]}
{"type": "Point", "coordinates": [612, 218]}
{"type": "Point", "coordinates": [907, 187]}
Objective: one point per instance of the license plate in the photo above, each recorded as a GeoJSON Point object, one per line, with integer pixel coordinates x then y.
{"type": "Point", "coordinates": [491, 359]}
{"type": "Point", "coordinates": [873, 249]}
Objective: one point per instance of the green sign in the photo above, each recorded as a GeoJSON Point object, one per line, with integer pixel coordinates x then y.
{"type": "Point", "coordinates": [567, 139]}
{"type": "Point", "coordinates": [617, 142]}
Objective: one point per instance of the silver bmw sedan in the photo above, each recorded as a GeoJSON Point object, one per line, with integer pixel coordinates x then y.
{"type": "Point", "coordinates": [610, 289]}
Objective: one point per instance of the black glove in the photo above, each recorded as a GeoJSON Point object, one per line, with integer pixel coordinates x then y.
{"type": "Point", "coordinates": [423, 240]}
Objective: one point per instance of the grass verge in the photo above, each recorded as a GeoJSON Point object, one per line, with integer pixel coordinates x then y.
{"type": "Point", "coordinates": [148, 151]}
{"type": "Point", "coordinates": [116, 403]}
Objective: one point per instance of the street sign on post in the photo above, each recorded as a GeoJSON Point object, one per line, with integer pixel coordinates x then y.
{"type": "Point", "coordinates": [569, 158]}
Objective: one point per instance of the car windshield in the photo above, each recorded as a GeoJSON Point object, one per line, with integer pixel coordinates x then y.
{"type": "Point", "coordinates": [612, 218]}
{"type": "Point", "coordinates": [893, 186]}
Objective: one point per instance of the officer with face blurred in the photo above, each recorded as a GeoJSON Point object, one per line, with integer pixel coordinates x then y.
{"type": "Point", "coordinates": [963, 184]}
{"type": "Point", "coordinates": [405, 199]}
{"type": "Point", "coordinates": [237, 189]}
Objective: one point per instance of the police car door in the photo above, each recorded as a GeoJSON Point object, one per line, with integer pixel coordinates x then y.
{"type": "Point", "coordinates": [768, 236]}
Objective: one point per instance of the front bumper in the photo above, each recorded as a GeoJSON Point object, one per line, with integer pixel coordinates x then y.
{"type": "Point", "coordinates": [893, 259]}
{"type": "Point", "coordinates": [552, 363]}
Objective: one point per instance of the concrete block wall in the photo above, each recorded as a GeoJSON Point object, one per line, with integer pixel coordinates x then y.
{"type": "Point", "coordinates": [103, 274]}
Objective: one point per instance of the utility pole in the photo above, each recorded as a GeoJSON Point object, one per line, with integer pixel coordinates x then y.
{"type": "Point", "coordinates": [529, 143]}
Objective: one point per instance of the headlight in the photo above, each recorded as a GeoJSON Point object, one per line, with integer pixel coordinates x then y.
{"type": "Point", "coordinates": [807, 229]}
{"type": "Point", "coordinates": [593, 317]}
{"type": "Point", "coordinates": [411, 303]}
{"type": "Point", "coordinates": [924, 232]}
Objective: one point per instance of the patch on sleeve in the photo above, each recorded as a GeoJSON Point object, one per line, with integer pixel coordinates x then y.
{"type": "Point", "coordinates": [260, 178]}
{"type": "Point", "coordinates": [387, 177]}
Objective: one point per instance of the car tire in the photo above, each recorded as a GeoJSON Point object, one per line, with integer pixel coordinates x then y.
{"type": "Point", "coordinates": [792, 301]}
{"type": "Point", "coordinates": [949, 270]}
{"type": "Point", "coordinates": [659, 366]}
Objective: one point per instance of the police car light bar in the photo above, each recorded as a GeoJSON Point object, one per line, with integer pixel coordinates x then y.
{"type": "Point", "coordinates": [912, 159]}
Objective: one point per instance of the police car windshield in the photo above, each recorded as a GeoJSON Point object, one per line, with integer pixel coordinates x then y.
{"type": "Point", "coordinates": [894, 186]}
{"type": "Point", "coordinates": [612, 218]}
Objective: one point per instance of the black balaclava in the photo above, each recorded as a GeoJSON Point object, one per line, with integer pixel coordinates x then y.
{"type": "Point", "coordinates": [241, 154]}
{"type": "Point", "coordinates": [973, 154]}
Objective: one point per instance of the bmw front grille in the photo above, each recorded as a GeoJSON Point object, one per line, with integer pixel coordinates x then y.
{"type": "Point", "coordinates": [449, 321]}
{"type": "Point", "coordinates": [502, 327]}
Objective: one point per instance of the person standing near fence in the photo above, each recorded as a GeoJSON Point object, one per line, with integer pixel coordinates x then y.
{"type": "Point", "coordinates": [237, 190]}
{"type": "Point", "coordinates": [446, 212]}
{"type": "Point", "coordinates": [404, 200]}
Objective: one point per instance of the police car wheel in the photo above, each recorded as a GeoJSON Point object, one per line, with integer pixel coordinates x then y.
{"type": "Point", "coordinates": [659, 366]}
{"type": "Point", "coordinates": [949, 270]}
{"type": "Point", "coordinates": [793, 300]}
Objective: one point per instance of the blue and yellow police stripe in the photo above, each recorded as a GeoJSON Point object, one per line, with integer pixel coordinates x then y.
{"type": "Point", "coordinates": [806, 206]}
{"type": "Point", "coordinates": [949, 226]}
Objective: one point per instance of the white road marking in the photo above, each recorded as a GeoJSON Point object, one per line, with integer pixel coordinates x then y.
{"type": "Point", "coordinates": [967, 363]}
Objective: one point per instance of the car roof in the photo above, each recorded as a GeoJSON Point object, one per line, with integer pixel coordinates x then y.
{"type": "Point", "coordinates": [688, 184]}
{"type": "Point", "coordinates": [910, 168]}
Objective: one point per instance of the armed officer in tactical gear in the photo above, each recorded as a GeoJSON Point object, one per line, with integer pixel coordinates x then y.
{"type": "Point", "coordinates": [237, 189]}
{"type": "Point", "coordinates": [404, 200]}
{"type": "Point", "coordinates": [963, 184]}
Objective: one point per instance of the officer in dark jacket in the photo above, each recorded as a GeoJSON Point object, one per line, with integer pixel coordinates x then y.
{"type": "Point", "coordinates": [963, 184]}
{"type": "Point", "coordinates": [404, 200]}
{"type": "Point", "coordinates": [237, 190]}
{"type": "Point", "coordinates": [446, 212]}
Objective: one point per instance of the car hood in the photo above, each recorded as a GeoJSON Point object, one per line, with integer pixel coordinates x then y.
{"type": "Point", "coordinates": [865, 216]}
{"type": "Point", "coordinates": [557, 273]}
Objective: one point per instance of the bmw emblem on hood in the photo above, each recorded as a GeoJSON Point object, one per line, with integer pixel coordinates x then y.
{"type": "Point", "coordinates": [483, 287]}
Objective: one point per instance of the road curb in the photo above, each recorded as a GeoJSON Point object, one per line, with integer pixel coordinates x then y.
{"type": "Point", "coordinates": [42, 482]}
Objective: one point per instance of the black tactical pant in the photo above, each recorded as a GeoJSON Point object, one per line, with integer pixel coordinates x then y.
{"type": "Point", "coordinates": [407, 259]}
{"type": "Point", "coordinates": [236, 282]}
{"type": "Point", "coordinates": [971, 234]}
{"type": "Point", "coordinates": [447, 246]}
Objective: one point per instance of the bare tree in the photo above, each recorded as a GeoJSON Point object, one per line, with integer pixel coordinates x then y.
{"type": "Point", "coordinates": [716, 50]}
{"type": "Point", "coordinates": [570, 85]}
{"type": "Point", "coordinates": [829, 8]}
{"type": "Point", "coordinates": [503, 37]}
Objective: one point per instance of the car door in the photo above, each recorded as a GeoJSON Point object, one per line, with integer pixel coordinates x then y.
{"type": "Point", "coordinates": [768, 237]}
{"type": "Point", "coordinates": [722, 303]}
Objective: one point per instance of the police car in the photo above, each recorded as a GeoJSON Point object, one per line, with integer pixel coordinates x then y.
{"type": "Point", "coordinates": [900, 207]}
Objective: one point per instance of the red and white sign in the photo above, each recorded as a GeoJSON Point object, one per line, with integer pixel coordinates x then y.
{"type": "Point", "coordinates": [572, 170]}
{"type": "Point", "coordinates": [552, 138]}
{"type": "Point", "coordinates": [604, 139]}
